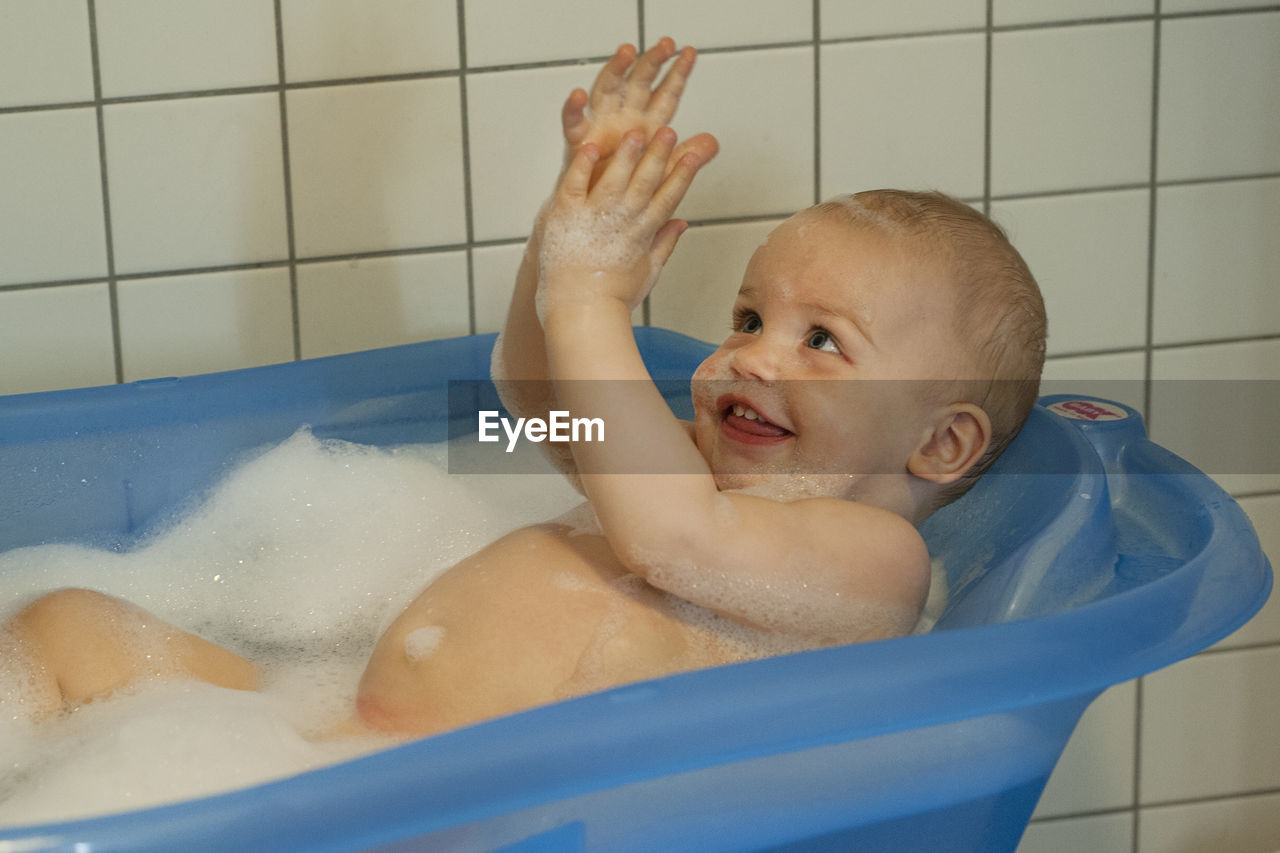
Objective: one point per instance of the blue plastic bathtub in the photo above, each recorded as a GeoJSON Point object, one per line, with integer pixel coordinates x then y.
{"type": "Point", "coordinates": [1090, 556]}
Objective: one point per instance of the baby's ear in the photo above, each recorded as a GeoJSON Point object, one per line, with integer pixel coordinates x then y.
{"type": "Point", "coordinates": [961, 434]}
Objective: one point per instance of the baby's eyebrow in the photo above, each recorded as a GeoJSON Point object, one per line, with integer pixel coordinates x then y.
{"type": "Point", "coordinates": [847, 314]}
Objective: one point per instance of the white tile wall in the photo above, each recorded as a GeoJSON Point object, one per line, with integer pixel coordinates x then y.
{"type": "Point", "coordinates": [1089, 255]}
{"type": "Point", "coordinates": [360, 182]}
{"type": "Point", "coordinates": [1241, 825]}
{"type": "Point", "coordinates": [924, 132]}
{"type": "Point", "coordinates": [860, 18]}
{"type": "Point", "coordinates": [1038, 11]}
{"type": "Point", "coordinates": [204, 45]}
{"type": "Point", "coordinates": [1209, 726]}
{"type": "Point", "coordinates": [195, 183]}
{"type": "Point", "coordinates": [55, 337]}
{"type": "Point", "coordinates": [723, 23]}
{"type": "Point", "coordinates": [205, 323]}
{"type": "Point", "coordinates": [44, 52]}
{"type": "Point", "coordinates": [1224, 420]}
{"type": "Point", "coordinates": [1216, 261]}
{"type": "Point", "coordinates": [766, 161]}
{"type": "Point", "coordinates": [335, 39]}
{"type": "Point", "coordinates": [508, 187]}
{"type": "Point", "coordinates": [499, 31]}
{"type": "Point", "coordinates": [1219, 106]}
{"type": "Point", "coordinates": [419, 136]}
{"type": "Point", "coordinates": [345, 306]}
{"type": "Point", "coordinates": [51, 222]}
{"type": "Point", "coordinates": [1071, 107]}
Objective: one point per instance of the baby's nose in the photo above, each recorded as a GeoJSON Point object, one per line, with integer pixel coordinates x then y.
{"type": "Point", "coordinates": [760, 359]}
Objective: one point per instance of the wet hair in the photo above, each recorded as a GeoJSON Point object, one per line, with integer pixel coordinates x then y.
{"type": "Point", "coordinates": [999, 310]}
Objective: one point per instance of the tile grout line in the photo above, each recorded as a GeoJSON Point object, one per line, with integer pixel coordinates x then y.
{"type": "Point", "coordinates": [113, 296]}
{"type": "Point", "coordinates": [1136, 793]}
{"type": "Point", "coordinates": [1153, 183]}
{"type": "Point", "coordinates": [295, 313]}
{"type": "Point", "coordinates": [468, 210]}
{"type": "Point", "coordinates": [988, 63]}
{"type": "Point", "coordinates": [646, 305]}
{"type": "Point", "coordinates": [817, 101]}
{"type": "Point", "coordinates": [1148, 362]}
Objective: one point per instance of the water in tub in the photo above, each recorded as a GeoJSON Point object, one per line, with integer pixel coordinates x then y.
{"type": "Point", "coordinates": [296, 561]}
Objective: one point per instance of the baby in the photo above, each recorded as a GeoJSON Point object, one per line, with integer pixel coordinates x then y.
{"type": "Point", "coordinates": [784, 516]}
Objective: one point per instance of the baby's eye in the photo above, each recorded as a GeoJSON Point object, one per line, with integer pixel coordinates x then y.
{"type": "Point", "coordinates": [749, 322]}
{"type": "Point", "coordinates": [821, 339]}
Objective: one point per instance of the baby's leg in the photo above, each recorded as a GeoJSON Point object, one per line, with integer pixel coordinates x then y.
{"type": "Point", "coordinates": [77, 644]}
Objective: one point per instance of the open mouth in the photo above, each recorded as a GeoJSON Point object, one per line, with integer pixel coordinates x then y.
{"type": "Point", "coordinates": [740, 422]}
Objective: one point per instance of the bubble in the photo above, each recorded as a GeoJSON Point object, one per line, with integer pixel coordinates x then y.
{"type": "Point", "coordinates": [421, 642]}
{"type": "Point", "coordinates": [297, 560]}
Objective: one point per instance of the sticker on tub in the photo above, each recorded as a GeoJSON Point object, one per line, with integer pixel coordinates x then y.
{"type": "Point", "coordinates": [1088, 410]}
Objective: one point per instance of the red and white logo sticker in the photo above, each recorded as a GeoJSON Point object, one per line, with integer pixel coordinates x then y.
{"type": "Point", "coordinates": [1088, 410]}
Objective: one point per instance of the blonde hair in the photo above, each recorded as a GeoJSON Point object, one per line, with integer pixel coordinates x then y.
{"type": "Point", "coordinates": [998, 304]}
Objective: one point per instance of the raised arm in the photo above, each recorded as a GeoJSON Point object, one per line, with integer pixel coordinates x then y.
{"type": "Point", "coordinates": [827, 569]}
{"type": "Point", "coordinates": [623, 98]}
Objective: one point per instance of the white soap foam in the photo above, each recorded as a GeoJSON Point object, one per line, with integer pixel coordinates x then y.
{"type": "Point", "coordinates": [297, 561]}
{"type": "Point", "coordinates": [600, 242]}
{"type": "Point", "coordinates": [421, 642]}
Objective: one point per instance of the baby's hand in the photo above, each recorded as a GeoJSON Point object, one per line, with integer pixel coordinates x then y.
{"type": "Point", "coordinates": [608, 239]}
{"type": "Point", "coordinates": [622, 100]}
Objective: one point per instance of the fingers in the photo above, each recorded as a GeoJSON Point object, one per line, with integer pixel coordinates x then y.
{"type": "Point", "coordinates": [674, 186]}
{"type": "Point", "coordinates": [666, 98]}
{"type": "Point", "coordinates": [613, 181]}
{"type": "Point", "coordinates": [632, 89]}
{"type": "Point", "coordinates": [577, 177]}
{"type": "Point", "coordinates": [640, 80]}
{"type": "Point", "coordinates": [664, 242]}
{"type": "Point", "coordinates": [573, 118]}
{"type": "Point", "coordinates": [704, 146]}
{"type": "Point", "coordinates": [611, 78]}
{"type": "Point", "coordinates": [639, 178]}
{"type": "Point", "coordinates": [652, 168]}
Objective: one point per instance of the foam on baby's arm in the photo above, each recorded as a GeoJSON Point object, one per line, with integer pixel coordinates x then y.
{"type": "Point", "coordinates": [778, 605]}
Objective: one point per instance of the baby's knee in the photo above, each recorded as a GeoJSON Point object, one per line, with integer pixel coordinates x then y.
{"type": "Point", "coordinates": [39, 640]}
{"type": "Point", "coordinates": [82, 638]}
{"type": "Point", "coordinates": [67, 611]}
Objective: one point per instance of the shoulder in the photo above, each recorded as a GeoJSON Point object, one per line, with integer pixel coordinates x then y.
{"type": "Point", "coordinates": [878, 549]}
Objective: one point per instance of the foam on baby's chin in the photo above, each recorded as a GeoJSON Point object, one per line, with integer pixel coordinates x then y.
{"type": "Point", "coordinates": [297, 561]}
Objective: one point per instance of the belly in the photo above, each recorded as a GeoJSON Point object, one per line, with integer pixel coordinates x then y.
{"type": "Point", "coordinates": [542, 614]}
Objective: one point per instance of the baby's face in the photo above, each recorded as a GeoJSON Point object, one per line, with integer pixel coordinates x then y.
{"type": "Point", "coordinates": [824, 303]}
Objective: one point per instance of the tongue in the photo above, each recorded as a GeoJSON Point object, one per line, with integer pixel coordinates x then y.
{"type": "Point", "coordinates": [754, 427]}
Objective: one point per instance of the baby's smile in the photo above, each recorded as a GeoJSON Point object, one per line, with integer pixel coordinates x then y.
{"type": "Point", "coordinates": [741, 420]}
